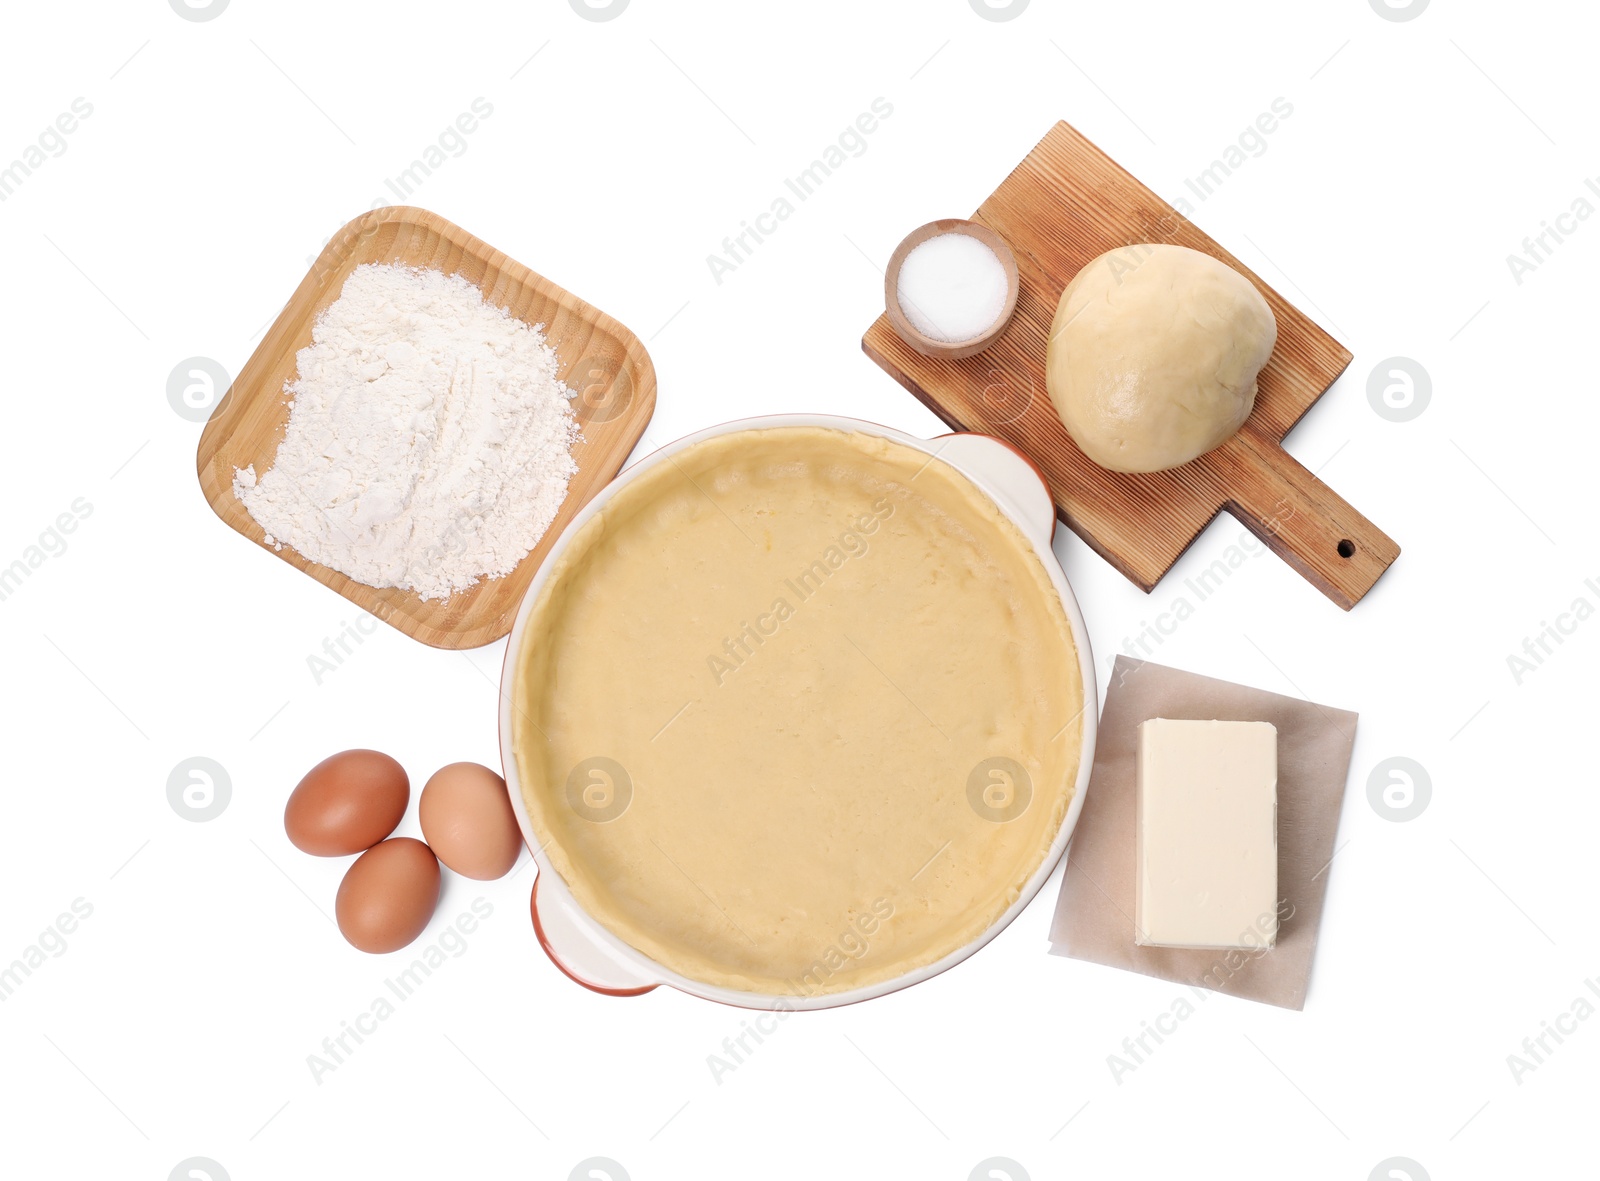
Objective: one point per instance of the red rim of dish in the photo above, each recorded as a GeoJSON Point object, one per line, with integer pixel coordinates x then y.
{"type": "Point", "coordinates": [538, 930]}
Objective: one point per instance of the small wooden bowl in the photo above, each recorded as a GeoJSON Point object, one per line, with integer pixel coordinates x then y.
{"type": "Point", "coordinates": [927, 345]}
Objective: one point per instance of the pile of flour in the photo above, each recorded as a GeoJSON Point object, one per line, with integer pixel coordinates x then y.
{"type": "Point", "coordinates": [429, 441]}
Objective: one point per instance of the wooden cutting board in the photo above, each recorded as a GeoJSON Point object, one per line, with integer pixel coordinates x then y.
{"type": "Point", "coordinates": [1064, 205]}
{"type": "Point", "coordinates": [601, 361]}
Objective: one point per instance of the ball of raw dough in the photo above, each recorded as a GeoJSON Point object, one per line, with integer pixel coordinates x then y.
{"type": "Point", "coordinates": [1154, 354]}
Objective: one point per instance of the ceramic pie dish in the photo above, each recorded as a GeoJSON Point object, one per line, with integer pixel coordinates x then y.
{"type": "Point", "coordinates": [800, 711]}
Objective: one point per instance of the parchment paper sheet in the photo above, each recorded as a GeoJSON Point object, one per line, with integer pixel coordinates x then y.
{"type": "Point", "coordinates": [1094, 915]}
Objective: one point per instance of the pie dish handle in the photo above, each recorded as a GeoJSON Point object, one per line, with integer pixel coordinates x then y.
{"type": "Point", "coordinates": [565, 933]}
{"type": "Point", "coordinates": [1008, 475]}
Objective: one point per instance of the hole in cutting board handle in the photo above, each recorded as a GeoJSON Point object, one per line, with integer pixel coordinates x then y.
{"type": "Point", "coordinates": [1347, 548]}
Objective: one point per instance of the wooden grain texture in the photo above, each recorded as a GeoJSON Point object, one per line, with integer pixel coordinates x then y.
{"type": "Point", "coordinates": [1066, 204]}
{"type": "Point", "coordinates": [600, 359]}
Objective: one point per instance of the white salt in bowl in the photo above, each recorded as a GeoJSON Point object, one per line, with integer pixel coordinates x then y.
{"type": "Point", "coordinates": [963, 282]}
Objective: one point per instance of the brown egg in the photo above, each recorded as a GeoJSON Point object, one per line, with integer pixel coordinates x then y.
{"type": "Point", "coordinates": [388, 895]}
{"type": "Point", "coordinates": [346, 803]}
{"type": "Point", "coordinates": [467, 818]}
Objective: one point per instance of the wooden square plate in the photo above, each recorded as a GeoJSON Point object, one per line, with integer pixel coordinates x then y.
{"type": "Point", "coordinates": [600, 359]}
{"type": "Point", "coordinates": [1066, 204]}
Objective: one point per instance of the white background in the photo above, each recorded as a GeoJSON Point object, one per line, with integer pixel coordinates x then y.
{"type": "Point", "coordinates": [219, 156]}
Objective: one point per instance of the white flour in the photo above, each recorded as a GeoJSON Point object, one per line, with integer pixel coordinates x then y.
{"type": "Point", "coordinates": [429, 441]}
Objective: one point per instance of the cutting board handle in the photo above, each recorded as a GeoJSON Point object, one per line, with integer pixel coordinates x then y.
{"type": "Point", "coordinates": [1303, 521]}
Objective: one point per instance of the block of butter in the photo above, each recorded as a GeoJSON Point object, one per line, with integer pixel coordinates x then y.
{"type": "Point", "coordinates": [1207, 819]}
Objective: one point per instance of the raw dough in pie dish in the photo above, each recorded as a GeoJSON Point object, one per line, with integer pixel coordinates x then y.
{"type": "Point", "coordinates": [797, 712]}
